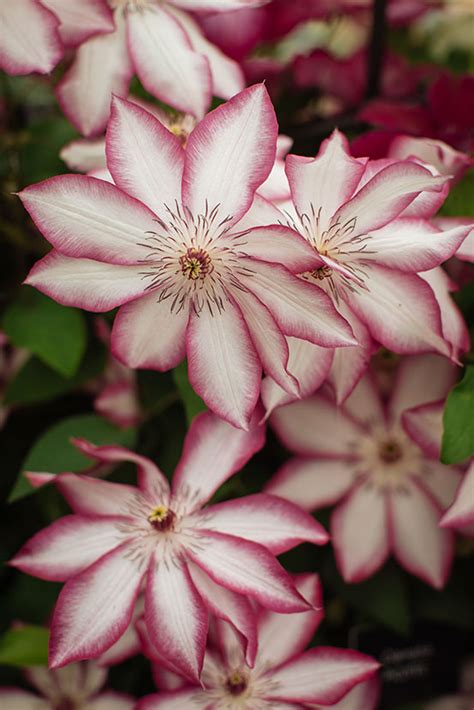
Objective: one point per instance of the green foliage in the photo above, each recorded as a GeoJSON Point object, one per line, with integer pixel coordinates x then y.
{"type": "Point", "coordinates": [56, 334]}
{"type": "Point", "coordinates": [24, 646]}
{"type": "Point", "coordinates": [192, 403]}
{"type": "Point", "coordinates": [459, 202]}
{"type": "Point", "coordinates": [53, 452]}
{"type": "Point", "coordinates": [458, 420]}
{"type": "Point", "coordinates": [40, 156]}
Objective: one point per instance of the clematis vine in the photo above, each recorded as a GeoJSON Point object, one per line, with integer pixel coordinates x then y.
{"type": "Point", "coordinates": [367, 223]}
{"type": "Point", "coordinates": [79, 685]}
{"type": "Point", "coordinates": [284, 675]}
{"type": "Point", "coordinates": [160, 42]}
{"type": "Point", "coordinates": [377, 467]}
{"type": "Point", "coordinates": [191, 560]}
{"type": "Point", "coordinates": [175, 240]}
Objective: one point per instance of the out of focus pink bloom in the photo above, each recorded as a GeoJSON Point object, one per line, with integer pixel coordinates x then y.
{"type": "Point", "coordinates": [390, 493]}
{"type": "Point", "coordinates": [461, 513]}
{"type": "Point", "coordinates": [11, 360]}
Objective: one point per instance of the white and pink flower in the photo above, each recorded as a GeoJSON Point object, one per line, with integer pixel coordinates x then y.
{"type": "Point", "coordinates": [175, 241]}
{"type": "Point", "coordinates": [377, 467]}
{"type": "Point", "coordinates": [460, 515]}
{"type": "Point", "coordinates": [284, 675]}
{"type": "Point", "coordinates": [191, 560]}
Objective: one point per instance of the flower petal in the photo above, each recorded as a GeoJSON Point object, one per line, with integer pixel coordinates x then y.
{"type": "Point", "coordinates": [365, 405]}
{"type": "Point", "coordinates": [101, 68]}
{"type": "Point", "coordinates": [229, 154]}
{"type": "Point", "coordinates": [16, 699]}
{"type": "Point", "coordinates": [89, 218]}
{"type": "Point", "coordinates": [461, 512]}
{"type": "Point", "coordinates": [222, 363]}
{"type": "Point", "coordinates": [145, 159]}
{"type": "Point", "coordinates": [349, 364]}
{"type": "Point", "coordinates": [147, 334]}
{"type": "Point", "coordinates": [282, 245]}
{"type": "Point", "coordinates": [84, 283]}
{"type": "Point", "coordinates": [30, 38]}
{"type": "Point", "coordinates": [84, 154]}
{"type": "Point", "coordinates": [91, 496]}
{"type": "Point", "coordinates": [191, 699]}
{"type": "Point", "coordinates": [246, 568]}
{"type": "Point", "coordinates": [67, 547]}
{"type": "Point", "coordinates": [363, 696]}
{"type": "Point", "coordinates": [175, 616]}
{"type": "Point", "coordinates": [213, 450]}
{"type": "Point", "coordinates": [112, 701]}
{"type": "Point", "coordinates": [361, 549]}
{"type": "Point", "coordinates": [312, 483]}
{"type": "Point", "coordinates": [424, 424]}
{"type": "Point", "coordinates": [441, 482]}
{"type": "Point", "coordinates": [156, 39]}
{"type": "Point", "coordinates": [95, 608]}
{"type": "Point", "coordinates": [79, 21]}
{"type": "Point", "coordinates": [419, 544]}
{"type": "Point", "coordinates": [321, 675]}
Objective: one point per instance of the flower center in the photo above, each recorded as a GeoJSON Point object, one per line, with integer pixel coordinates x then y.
{"type": "Point", "coordinates": [196, 264]}
{"type": "Point", "coordinates": [236, 683]}
{"type": "Point", "coordinates": [161, 518]}
{"type": "Point", "coordinates": [324, 272]}
{"type": "Point", "coordinates": [390, 451]}
{"type": "Point", "coordinates": [65, 704]}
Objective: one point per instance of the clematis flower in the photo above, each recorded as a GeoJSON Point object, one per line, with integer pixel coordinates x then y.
{"type": "Point", "coordinates": [174, 241]}
{"type": "Point", "coordinates": [191, 560]}
{"type": "Point", "coordinates": [284, 674]}
{"type": "Point", "coordinates": [390, 495]}
{"type": "Point", "coordinates": [34, 33]}
{"type": "Point", "coordinates": [164, 46]}
{"type": "Point", "coordinates": [365, 221]}
{"type": "Point", "coordinates": [79, 685]}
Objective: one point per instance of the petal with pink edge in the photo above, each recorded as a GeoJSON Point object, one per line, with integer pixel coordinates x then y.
{"type": "Point", "coordinates": [30, 38]}
{"type": "Point", "coordinates": [176, 616]}
{"type": "Point", "coordinates": [156, 39]}
{"type": "Point", "coordinates": [419, 544]}
{"type": "Point", "coordinates": [400, 310]}
{"type": "Point", "coordinates": [145, 159]}
{"type": "Point", "coordinates": [89, 218]}
{"type": "Point", "coordinates": [365, 405]}
{"type": "Point", "coordinates": [246, 568]}
{"type": "Point", "coordinates": [454, 327]}
{"type": "Point", "coordinates": [68, 546]}
{"type": "Point", "coordinates": [16, 699]}
{"type": "Point", "coordinates": [229, 154]}
{"type": "Point", "coordinates": [223, 366]}
{"type": "Point", "coordinates": [441, 482]}
{"type": "Point", "coordinates": [312, 483]}
{"type": "Point", "coordinates": [101, 68]}
{"type": "Point", "coordinates": [213, 450]}
{"type": "Point", "coordinates": [94, 608]}
{"type": "Point", "coordinates": [461, 512]}
{"type": "Point", "coordinates": [363, 696]}
{"type": "Point", "coordinates": [112, 701]}
{"type": "Point", "coordinates": [360, 548]}
{"type": "Point", "coordinates": [321, 675]}
{"type": "Point", "coordinates": [282, 245]}
{"type": "Point", "coordinates": [316, 427]}
{"type": "Point", "coordinates": [266, 519]}
{"type": "Point", "coordinates": [194, 699]}
{"type": "Point", "coordinates": [349, 364]}
{"type": "Point", "coordinates": [79, 21]}
{"type": "Point", "coordinates": [91, 496]}
{"type": "Point", "coordinates": [424, 424]}
{"type": "Point", "coordinates": [84, 283]}
{"type": "Point", "coordinates": [84, 154]}
{"type": "Point", "coordinates": [149, 333]}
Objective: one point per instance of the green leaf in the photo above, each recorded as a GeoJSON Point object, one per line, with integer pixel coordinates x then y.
{"type": "Point", "coordinates": [40, 157]}
{"type": "Point", "coordinates": [25, 646]}
{"type": "Point", "coordinates": [193, 404]}
{"type": "Point", "coordinates": [53, 452]}
{"type": "Point", "coordinates": [56, 334]}
{"type": "Point", "coordinates": [458, 420]}
{"type": "Point", "coordinates": [459, 202]}
{"type": "Point", "coordinates": [36, 382]}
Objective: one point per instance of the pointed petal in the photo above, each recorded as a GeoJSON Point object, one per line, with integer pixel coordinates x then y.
{"type": "Point", "coordinates": [361, 549]}
{"type": "Point", "coordinates": [101, 68]}
{"type": "Point", "coordinates": [95, 608]}
{"type": "Point", "coordinates": [312, 484]}
{"type": "Point", "coordinates": [213, 450]}
{"type": "Point", "coordinates": [30, 38]}
{"type": "Point", "coordinates": [176, 617]}
{"type": "Point", "coordinates": [16, 699]}
{"type": "Point", "coordinates": [365, 405]}
{"type": "Point", "coordinates": [282, 245]}
{"type": "Point", "coordinates": [230, 153]}
{"type": "Point", "coordinates": [282, 636]}
{"type": "Point", "coordinates": [192, 699]}
{"type": "Point", "coordinates": [454, 327]}
{"type": "Point", "coordinates": [118, 403]}
{"type": "Point", "coordinates": [321, 675]}
{"type": "Point", "coordinates": [229, 606]}
{"type": "Point", "coordinates": [400, 311]}
{"type": "Point", "coordinates": [67, 547]}
{"type": "Point", "coordinates": [419, 544]}
{"type": "Point", "coordinates": [350, 364]}
{"type": "Point", "coordinates": [84, 154]}
{"type": "Point", "coordinates": [316, 427]}
{"type": "Point", "coordinates": [299, 308]}
{"type": "Point", "coordinates": [84, 283]}
{"type": "Point", "coordinates": [91, 496]}
{"type": "Point", "coordinates": [112, 701]}
{"type": "Point", "coordinates": [222, 363]}
{"type": "Point", "coordinates": [248, 569]}
{"type": "Point", "coordinates": [79, 21]}
{"type": "Point", "coordinates": [386, 195]}
{"type": "Point", "coordinates": [325, 182]}
{"type": "Point", "coordinates": [424, 424]}
{"type": "Point", "coordinates": [147, 334]}
{"type": "Point", "coordinates": [461, 512]}
{"type": "Point", "coordinates": [266, 519]}
{"type": "Point", "coordinates": [261, 212]}
{"type": "Point", "coordinates": [85, 217]}
{"type": "Point", "coordinates": [145, 159]}
{"type": "Point", "coordinates": [441, 482]}
{"type": "Point", "coordinates": [363, 696]}
{"type": "Point", "coordinates": [156, 39]}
